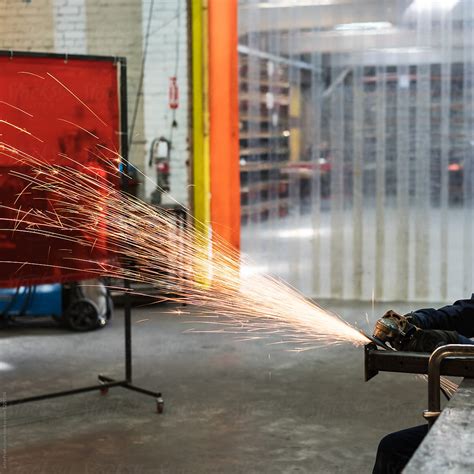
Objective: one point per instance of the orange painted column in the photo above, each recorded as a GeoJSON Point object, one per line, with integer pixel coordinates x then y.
{"type": "Point", "coordinates": [224, 120]}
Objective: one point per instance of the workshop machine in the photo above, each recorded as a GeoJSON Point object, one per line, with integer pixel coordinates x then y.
{"type": "Point", "coordinates": [455, 360]}
{"type": "Point", "coordinates": [160, 151]}
{"type": "Point", "coordinates": [80, 306]}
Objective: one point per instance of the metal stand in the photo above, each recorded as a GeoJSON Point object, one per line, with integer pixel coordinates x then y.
{"type": "Point", "coordinates": [106, 382]}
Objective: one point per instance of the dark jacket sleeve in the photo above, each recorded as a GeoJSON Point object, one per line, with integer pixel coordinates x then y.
{"type": "Point", "coordinates": [465, 340]}
{"type": "Point", "coordinates": [457, 317]}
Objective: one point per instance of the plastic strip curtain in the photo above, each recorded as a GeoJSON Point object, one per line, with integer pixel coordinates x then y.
{"type": "Point", "coordinates": [356, 157]}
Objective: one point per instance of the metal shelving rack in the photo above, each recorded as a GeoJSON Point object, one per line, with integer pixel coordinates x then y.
{"type": "Point", "coordinates": [264, 143]}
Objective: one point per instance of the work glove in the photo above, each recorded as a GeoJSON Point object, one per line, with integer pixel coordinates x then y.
{"type": "Point", "coordinates": [427, 340]}
{"type": "Point", "coordinates": [403, 333]}
{"type": "Point", "coordinates": [403, 322]}
{"type": "Point", "coordinates": [395, 329]}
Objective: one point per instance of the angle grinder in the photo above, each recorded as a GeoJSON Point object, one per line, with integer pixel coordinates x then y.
{"type": "Point", "coordinates": [392, 331]}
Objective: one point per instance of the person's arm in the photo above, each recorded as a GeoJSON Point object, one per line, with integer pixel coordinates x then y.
{"type": "Point", "coordinates": [457, 317]}
{"type": "Point", "coordinates": [426, 329]}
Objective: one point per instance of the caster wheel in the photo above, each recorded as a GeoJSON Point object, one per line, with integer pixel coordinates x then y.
{"type": "Point", "coordinates": [83, 315]}
{"type": "Point", "coordinates": [160, 405]}
{"type": "Point", "coordinates": [104, 390]}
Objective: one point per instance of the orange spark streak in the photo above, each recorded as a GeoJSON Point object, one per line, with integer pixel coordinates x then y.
{"type": "Point", "coordinates": [115, 152]}
{"type": "Point", "coordinates": [23, 130]}
{"type": "Point", "coordinates": [16, 108]}
{"type": "Point", "coordinates": [21, 193]}
{"type": "Point", "coordinates": [20, 267]}
{"type": "Point", "coordinates": [21, 220]}
{"type": "Point", "coordinates": [77, 98]}
{"type": "Point", "coordinates": [31, 74]}
{"type": "Point", "coordinates": [78, 126]}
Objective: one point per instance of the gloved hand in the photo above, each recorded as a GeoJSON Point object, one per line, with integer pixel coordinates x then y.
{"type": "Point", "coordinates": [427, 340]}
{"type": "Point", "coordinates": [395, 329]}
{"type": "Point", "coordinates": [403, 322]}
{"type": "Point", "coordinates": [403, 333]}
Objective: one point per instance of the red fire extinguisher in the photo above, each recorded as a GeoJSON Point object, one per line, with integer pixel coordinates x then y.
{"type": "Point", "coordinates": [173, 93]}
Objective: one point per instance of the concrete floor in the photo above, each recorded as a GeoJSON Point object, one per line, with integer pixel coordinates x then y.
{"type": "Point", "coordinates": [231, 407]}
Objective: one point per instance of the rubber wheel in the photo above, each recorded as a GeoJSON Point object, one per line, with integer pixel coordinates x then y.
{"type": "Point", "coordinates": [83, 315]}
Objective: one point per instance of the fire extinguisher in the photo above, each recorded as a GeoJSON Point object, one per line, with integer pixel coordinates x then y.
{"type": "Point", "coordinates": [173, 93]}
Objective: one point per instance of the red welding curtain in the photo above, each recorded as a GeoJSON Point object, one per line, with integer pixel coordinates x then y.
{"type": "Point", "coordinates": [63, 104]}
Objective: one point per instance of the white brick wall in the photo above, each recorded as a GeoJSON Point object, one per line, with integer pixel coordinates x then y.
{"type": "Point", "coordinates": [166, 28]}
{"type": "Point", "coordinates": [114, 28]}
{"type": "Point", "coordinates": [117, 27]}
{"type": "Point", "coordinates": [70, 32]}
{"type": "Point", "coordinates": [26, 26]}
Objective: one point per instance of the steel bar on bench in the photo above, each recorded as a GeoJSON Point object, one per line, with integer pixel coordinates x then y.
{"type": "Point", "coordinates": [411, 362]}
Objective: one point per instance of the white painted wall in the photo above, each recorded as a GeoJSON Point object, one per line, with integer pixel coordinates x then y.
{"type": "Point", "coordinates": [167, 56]}
{"type": "Point", "coordinates": [70, 26]}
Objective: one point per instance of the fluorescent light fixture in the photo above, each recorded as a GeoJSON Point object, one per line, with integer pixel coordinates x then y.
{"type": "Point", "coordinates": [364, 26]}
{"type": "Point", "coordinates": [291, 3]}
{"type": "Point", "coordinates": [423, 5]}
{"type": "Point", "coordinates": [406, 50]}
{"type": "Point", "coordinates": [301, 233]}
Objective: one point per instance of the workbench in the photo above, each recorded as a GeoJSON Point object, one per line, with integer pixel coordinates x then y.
{"type": "Point", "coordinates": [449, 445]}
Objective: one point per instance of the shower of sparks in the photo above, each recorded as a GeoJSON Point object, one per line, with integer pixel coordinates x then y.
{"type": "Point", "coordinates": [180, 261]}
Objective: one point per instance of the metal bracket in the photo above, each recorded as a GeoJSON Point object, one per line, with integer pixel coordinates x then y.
{"type": "Point", "coordinates": [462, 354]}
{"type": "Point", "coordinates": [377, 360]}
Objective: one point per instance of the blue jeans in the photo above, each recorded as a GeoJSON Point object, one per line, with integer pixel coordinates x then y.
{"type": "Point", "coordinates": [396, 449]}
